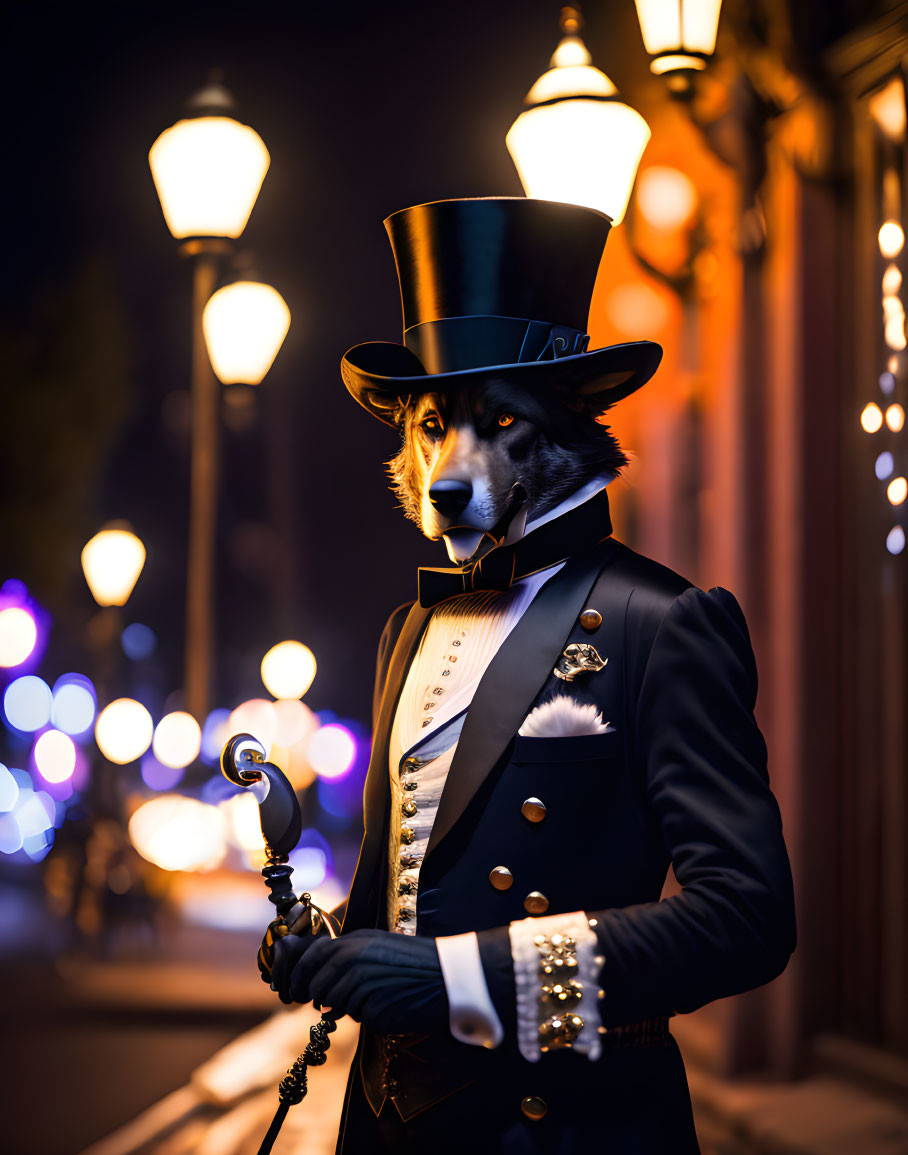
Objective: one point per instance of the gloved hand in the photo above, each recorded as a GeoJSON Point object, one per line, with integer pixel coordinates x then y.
{"type": "Point", "coordinates": [391, 982]}
{"type": "Point", "coordinates": [289, 943]}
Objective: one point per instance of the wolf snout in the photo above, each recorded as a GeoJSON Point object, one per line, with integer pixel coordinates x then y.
{"type": "Point", "coordinates": [450, 497]}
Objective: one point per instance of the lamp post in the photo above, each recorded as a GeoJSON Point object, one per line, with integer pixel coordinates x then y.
{"type": "Point", "coordinates": [577, 142]}
{"type": "Point", "coordinates": [207, 169]}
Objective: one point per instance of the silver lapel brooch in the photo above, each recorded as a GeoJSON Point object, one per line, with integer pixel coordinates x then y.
{"type": "Point", "coordinates": [578, 658]}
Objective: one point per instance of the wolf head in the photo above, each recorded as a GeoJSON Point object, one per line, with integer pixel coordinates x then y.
{"type": "Point", "coordinates": [474, 460]}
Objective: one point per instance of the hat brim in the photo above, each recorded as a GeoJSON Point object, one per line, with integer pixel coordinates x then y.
{"type": "Point", "coordinates": [379, 373]}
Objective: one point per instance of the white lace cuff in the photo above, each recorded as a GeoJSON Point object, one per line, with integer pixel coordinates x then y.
{"type": "Point", "coordinates": [556, 973]}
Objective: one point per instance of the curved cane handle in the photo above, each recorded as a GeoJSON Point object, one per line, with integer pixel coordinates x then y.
{"type": "Point", "coordinates": [243, 762]}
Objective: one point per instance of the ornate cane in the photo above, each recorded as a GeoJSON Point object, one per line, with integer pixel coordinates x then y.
{"type": "Point", "coordinates": [243, 762]}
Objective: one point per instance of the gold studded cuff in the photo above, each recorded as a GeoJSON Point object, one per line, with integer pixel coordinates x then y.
{"type": "Point", "coordinates": [556, 973]}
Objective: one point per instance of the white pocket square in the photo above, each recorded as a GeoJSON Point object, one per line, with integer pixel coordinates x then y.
{"type": "Point", "coordinates": [563, 717]}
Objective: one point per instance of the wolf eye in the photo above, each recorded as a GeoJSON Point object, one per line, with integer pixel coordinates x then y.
{"type": "Point", "coordinates": [431, 426]}
{"type": "Point", "coordinates": [505, 419]}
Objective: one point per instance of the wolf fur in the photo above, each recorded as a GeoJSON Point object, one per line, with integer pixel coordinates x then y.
{"type": "Point", "coordinates": [554, 444]}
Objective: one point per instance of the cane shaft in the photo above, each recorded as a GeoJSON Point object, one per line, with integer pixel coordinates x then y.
{"type": "Point", "coordinates": [279, 1116]}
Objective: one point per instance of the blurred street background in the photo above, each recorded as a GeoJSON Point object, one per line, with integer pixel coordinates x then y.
{"type": "Point", "coordinates": [171, 333]}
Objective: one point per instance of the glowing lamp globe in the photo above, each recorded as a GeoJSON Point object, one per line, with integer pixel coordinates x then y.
{"type": "Point", "coordinates": [288, 669]}
{"type": "Point", "coordinates": [123, 731]}
{"type": "Point", "coordinates": [577, 142]}
{"type": "Point", "coordinates": [679, 35]}
{"type": "Point", "coordinates": [112, 562]}
{"type": "Point", "coordinates": [177, 740]}
{"type": "Point", "coordinates": [207, 171]}
{"type": "Point", "coordinates": [245, 324]}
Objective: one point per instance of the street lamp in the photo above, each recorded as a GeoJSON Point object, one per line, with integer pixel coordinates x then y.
{"type": "Point", "coordinates": [577, 142]}
{"type": "Point", "coordinates": [112, 561]}
{"type": "Point", "coordinates": [207, 169]}
{"type": "Point", "coordinates": [245, 324]}
{"type": "Point", "coordinates": [680, 36]}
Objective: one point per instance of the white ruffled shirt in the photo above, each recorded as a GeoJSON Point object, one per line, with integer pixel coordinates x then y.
{"type": "Point", "coordinates": [462, 637]}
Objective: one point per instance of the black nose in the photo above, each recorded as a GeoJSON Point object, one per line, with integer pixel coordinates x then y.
{"type": "Point", "coordinates": [450, 497]}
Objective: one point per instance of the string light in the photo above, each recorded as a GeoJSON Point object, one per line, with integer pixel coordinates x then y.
{"type": "Point", "coordinates": [891, 239]}
{"type": "Point", "coordinates": [897, 490]}
{"type": "Point", "coordinates": [895, 418]}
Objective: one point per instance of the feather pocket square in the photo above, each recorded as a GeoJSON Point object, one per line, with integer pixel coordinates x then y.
{"type": "Point", "coordinates": [563, 717]}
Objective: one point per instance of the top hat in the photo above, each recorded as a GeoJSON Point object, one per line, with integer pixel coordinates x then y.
{"type": "Point", "coordinates": [497, 285]}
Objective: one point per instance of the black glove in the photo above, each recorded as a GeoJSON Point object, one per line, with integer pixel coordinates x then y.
{"type": "Point", "coordinates": [288, 944]}
{"type": "Point", "coordinates": [391, 982]}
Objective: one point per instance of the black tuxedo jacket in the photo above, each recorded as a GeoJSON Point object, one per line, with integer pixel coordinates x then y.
{"type": "Point", "coordinates": [682, 780]}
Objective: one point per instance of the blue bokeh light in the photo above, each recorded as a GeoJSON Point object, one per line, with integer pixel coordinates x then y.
{"type": "Point", "coordinates": [138, 641]}
{"type": "Point", "coordinates": [9, 789]}
{"type": "Point", "coordinates": [157, 776]}
{"type": "Point", "coordinates": [27, 703]}
{"type": "Point", "coordinates": [74, 704]}
{"type": "Point", "coordinates": [212, 736]}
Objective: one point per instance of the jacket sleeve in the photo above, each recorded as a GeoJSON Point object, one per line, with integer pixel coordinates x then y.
{"type": "Point", "coordinates": [703, 762]}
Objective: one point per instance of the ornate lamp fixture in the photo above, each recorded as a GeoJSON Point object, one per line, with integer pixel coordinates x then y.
{"type": "Point", "coordinates": [680, 36]}
{"type": "Point", "coordinates": [577, 142]}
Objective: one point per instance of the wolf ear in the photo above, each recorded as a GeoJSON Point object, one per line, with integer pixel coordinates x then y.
{"type": "Point", "coordinates": [597, 396]}
{"type": "Point", "coordinates": [388, 407]}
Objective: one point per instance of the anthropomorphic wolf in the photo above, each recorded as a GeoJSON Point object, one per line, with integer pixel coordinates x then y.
{"type": "Point", "coordinates": [557, 720]}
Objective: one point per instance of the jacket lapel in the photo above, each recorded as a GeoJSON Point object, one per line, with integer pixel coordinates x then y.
{"type": "Point", "coordinates": [376, 794]}
{"type": "Point", "coordinates": [512, 681]}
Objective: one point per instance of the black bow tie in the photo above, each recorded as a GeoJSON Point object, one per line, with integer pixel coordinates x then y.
{"type": "Point", "coordinates": [502, 565]}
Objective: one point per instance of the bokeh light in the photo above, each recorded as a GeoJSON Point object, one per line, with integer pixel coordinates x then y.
{"type": "Point", "coordinates": [10, 834]}
{"type": "Point", "coordinates": [310, 867]}
{"type": "Point", "coordinates": [18, 636]}
{"type": "Point", "coordinates": [895, 417]}
{"type": "Point", "coordinates": [244, 827]}
{"type": "Point", "coordinates": [666, 197]}
{"type": "Point", "coordinates": [156, 776]}
{"type": "Point", "coordinates": [887, 382]}
{"type": "Point", "coordinates": [138, 642]}
{"type": "Point", "coordinates": [27, 703]}
{"type": "Point", "coordinates": [331, 750]}
{"type": "Point", "coordinates": [74, 704]}
{"type": "Point", "coordinates": [295, 722]}
{"type": "Point", "coordinates": [214, 735]}
{"type": "Point", "coordinates": [891, 238]}
{"type": "Point", "coordinates": [892, 280]}
{"type": "Point", "coordinates": [288, 669]}
{"type": "Point", "coordinates": [55, 756]}
{"type": "Point", "coordinates": [123, 731]}
{"type": "Point", "coordinates": [9, 789]}
{"type": "Point", "coordinates": [255, 717]}
{"type": "Point", "coordinates": [177, 739]}
{"type": "Point", "coordinates": [871, 418]}
{"type": "Point", "coordinates": [884, 465]}
{"type": "Point", "coordinates": [897, 490]}
{"type": "Point", "coordinates": [179, 833]}
{"type": "Point", "coordinates": [895, 540]}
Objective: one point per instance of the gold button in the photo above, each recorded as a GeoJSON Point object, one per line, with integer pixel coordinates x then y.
{"type": "Point", "coordinates": [410, 765]}
{"type": "Point", "coordinates": [535, 903]}
{"type": "Point", "coordinates": [406, 835]}
{"type": "Point", "coordinates": [408, 808]}
{"type": "Point", "coordinates": [501, 878]}
{"type": "Point", "coordinates": [533, 809]}
{"type": "Point", "coordinates": [591, 619]}
{"type": "Point", "coordinates": [533, 1107]}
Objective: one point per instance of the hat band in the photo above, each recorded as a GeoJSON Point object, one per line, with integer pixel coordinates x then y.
{"type": "Point", "coordinates": [458, 343]}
